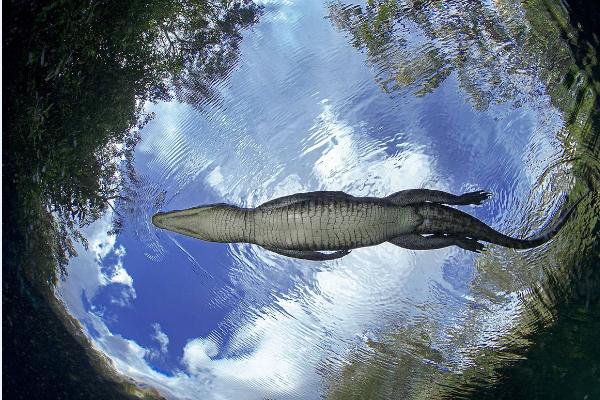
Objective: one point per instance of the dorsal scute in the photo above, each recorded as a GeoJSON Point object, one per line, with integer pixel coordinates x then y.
{"type": "Point", "coordinates": [301, 197]}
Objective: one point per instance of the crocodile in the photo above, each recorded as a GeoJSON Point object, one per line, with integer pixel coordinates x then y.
{"type": "Point", "coordinates": [327, 225]}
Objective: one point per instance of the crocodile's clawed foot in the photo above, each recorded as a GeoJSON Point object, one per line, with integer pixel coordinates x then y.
{"type": "Point", "coordinates": [470, 245]}
{"type": "Point", "coordinates": [475, 198]}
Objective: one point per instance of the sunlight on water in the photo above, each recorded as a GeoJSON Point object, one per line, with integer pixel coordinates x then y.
{"type": "Point", "coordinates": [367, 99]}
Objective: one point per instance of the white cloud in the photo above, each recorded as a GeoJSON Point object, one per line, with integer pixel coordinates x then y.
{"type": "Point", "coordinates": [84, 273]}
{"type": "Point", "coordinates": [120, 275]}
{"type": "Point", "coordinates": [160, 337]}
{"type": "Point", "coordinates": [352, 161]}
{"type": "Point", "coordinates": [275, 366]}
{"type": "Point", "coordinates": [349, 292]}
{"type": "Point", "coordinates": [87, 275]}
{"type": "Point", "coordinates": [124, 298]}
{"type": "Point", "coordinates": [347, 299]}
{"type": "Point", "coordinates": [120, 252]}
{"type": "Point", "coordinates": [215, 178]}
{"type": "Point", "coordinates": [198, 354]}
{"type": "Point", "coordinates": [336, 302]}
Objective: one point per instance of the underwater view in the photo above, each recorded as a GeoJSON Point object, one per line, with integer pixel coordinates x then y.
{"type": "Point", "coordinates": [116, 113]}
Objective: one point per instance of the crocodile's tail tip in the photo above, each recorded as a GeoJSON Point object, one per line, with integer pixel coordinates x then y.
{"type": "Point", "coordinates": [553, 229]}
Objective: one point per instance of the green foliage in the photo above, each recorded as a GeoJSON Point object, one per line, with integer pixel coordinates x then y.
{"type": "Point", "coordinates": [372, 29]}
{"type": "Point", "coordinates": [77, 77]}
{"type": "Point", "coordinates": [564, 292]}
{"type": "Point", "coordinates": [416, 45]}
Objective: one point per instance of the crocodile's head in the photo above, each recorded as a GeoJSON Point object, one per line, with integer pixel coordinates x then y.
{"type": "Point", "coordinates": [198, 222]}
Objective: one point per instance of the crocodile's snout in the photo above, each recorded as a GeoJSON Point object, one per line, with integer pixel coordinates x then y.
{"type": "Point", "coordinates": [158, 220]}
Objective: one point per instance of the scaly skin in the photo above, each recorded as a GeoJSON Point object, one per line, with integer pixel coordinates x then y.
{"type": "Point", "coordinates": [314, 224]}
{"type": "Point", "coordinates": [303, 224]}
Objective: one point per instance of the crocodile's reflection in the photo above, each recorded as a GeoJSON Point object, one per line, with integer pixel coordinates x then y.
{"type": "Point", "coordinates": [304, 224]}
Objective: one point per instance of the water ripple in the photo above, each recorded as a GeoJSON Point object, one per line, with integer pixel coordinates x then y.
{"type": "Point", "coordinates": [444, 95]}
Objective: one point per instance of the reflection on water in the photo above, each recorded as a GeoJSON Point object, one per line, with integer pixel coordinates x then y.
{"type": "Point", "coordinates": [303, 110]}
{"type": "Point", "coordinates": [418, 45]}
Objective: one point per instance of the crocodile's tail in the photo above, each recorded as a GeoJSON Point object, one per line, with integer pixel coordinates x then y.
{"type": "Point", "coordinates": [440, 219]}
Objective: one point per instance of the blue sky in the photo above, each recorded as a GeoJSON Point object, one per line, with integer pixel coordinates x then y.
{"type": "Point", "coordinates": [301, 111]}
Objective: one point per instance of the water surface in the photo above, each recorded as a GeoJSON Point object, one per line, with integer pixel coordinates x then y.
{"type": "Point", "coordinates": [367, 99]}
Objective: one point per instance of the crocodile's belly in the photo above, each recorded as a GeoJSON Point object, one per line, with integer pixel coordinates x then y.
{"type": "Point", "coordinates": [329, 226]}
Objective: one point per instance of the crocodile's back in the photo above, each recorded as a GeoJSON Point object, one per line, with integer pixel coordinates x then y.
{"type": "Point", "coordinates": [329, 224]}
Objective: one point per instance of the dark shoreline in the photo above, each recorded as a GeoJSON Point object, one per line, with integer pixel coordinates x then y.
{"type": "Point", "coordinates": [75, 77]}
{"type": "Point", "coordinates": [41, 359]}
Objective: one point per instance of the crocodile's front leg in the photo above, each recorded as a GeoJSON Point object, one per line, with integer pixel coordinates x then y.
{"type": "Point", "coordinates": [309, 255]}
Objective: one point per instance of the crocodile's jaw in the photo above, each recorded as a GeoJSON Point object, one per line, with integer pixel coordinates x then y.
{"type": "Point", "coordinates": [215, 223]}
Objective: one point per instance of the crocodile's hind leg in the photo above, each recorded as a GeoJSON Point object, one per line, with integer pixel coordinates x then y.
{"type": "Point", "coordinates": [469, 244]}
{"type": "Point", "coordinates": [309, 255]}
{"type": "Point", "coordinates": [415, 241]}
{"type": "Point", "coordinates": [415, 196]}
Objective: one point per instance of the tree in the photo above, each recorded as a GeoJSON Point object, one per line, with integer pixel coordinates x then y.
{"type": "Point", "coordinates": [77, 77]}
{"type": "Point", "coordinates": [486, 48]}
{"type": "Point", "coordinates": [416, 45]}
